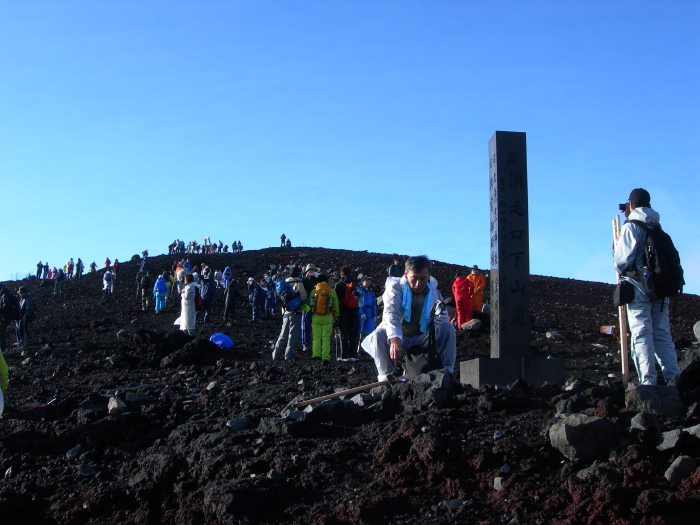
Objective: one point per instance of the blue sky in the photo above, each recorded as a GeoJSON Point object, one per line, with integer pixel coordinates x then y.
{"type": "Point", "coordinates": [345, 124]}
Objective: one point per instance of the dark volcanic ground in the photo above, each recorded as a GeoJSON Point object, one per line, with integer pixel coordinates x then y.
{"type": "Point", "coordinates": [203, 437]}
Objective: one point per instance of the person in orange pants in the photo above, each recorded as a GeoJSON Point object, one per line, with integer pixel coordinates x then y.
{"type": "Point", "coordinates": [462, 289]}
{"type": "Point", "coordinates": [479, 282]}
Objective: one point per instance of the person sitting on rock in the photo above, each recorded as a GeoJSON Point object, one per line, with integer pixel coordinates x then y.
{"type": "Point", "coordinates": [408, 304]}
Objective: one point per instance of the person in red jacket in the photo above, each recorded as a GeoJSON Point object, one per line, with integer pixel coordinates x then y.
{"type": "Point", "coordinates": [462, 289]}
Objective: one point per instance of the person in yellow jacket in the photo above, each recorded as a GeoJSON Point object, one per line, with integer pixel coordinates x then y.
{"type": "Point", "coordinates": [325, 308]}
{"type": "Point", "coordinates": [479, 282]}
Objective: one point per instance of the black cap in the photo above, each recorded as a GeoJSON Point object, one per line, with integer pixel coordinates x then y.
{"type": "Point", "coordinates": [640, 197]}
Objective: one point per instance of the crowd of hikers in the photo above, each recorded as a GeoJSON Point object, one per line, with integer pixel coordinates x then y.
{"type": "Point", "coordinates": [315, 305]}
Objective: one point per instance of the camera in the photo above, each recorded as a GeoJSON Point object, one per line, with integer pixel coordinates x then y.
{"type": "Point", "coordinates": [622, 207]}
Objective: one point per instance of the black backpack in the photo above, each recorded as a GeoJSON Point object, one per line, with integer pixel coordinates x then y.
{"type": "Point", "coordinates": [663, 274]}
{"type": "Point", "coordinates": [11, 311]}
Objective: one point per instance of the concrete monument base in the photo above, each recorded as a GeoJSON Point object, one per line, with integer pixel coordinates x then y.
{"type": "Point", "coordinates": [504, 370]}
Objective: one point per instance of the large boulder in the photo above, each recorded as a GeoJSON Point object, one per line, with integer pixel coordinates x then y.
{"type": "Point", "coordinates": [583, 438]}
{"type": "Point", "coordinates": [663, 400]}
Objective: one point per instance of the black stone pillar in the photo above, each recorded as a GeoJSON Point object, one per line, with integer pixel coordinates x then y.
{"type": "Point", "coordinates": [510, 275]}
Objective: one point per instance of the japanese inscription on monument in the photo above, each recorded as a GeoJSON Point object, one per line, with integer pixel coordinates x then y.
{"type": "Point", "coordinates": [510, 251]}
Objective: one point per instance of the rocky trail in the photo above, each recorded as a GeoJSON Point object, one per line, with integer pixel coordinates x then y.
{"type": "Point", "coordinates": [115, 416]}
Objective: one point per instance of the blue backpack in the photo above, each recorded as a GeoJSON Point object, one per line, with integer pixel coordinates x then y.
{"type": "Point", "coordinates": [288, 295]}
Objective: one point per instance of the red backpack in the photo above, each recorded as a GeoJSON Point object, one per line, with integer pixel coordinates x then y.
{"type": "Point", "coordinates": [350, 299]}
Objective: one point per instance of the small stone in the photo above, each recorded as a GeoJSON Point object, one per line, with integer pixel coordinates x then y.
{"type": "Point", "coordinates": [453, 504]}
{"type": "Point", "coordinates": [275, 475]}
{"type": "Point", "coordinates": [498, 435]}
{"type": "Point", "coordinates": [238, 424]}
{"type": "Point", "coordinates": [671, 440]}
{"type": "Point", "coordinates": [498, 483]}
{"type": "Point", "coordinates": [681, 468]}
{"type": "Point", "coordinates": [505, 469]}
{"type": "Point", "coordinates": [213, 387]}
{"type": "Point", "coordinates": [555, 335]}
{"type": "Point", "coordinates": [9, 473]}
{"type": "Point", "coordinates": [115, 406]}
{"type": "Point", "coordinates": [86, 470]}
{"type": "Point", "coordinates": [74, 452]}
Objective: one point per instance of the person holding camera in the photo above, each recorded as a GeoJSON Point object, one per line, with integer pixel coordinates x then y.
{"type": "Point", "coordinates": [349, 320]}
{"type": "Point", "coordinates": [409, 302]}
{"type": "Point", "coordinates": [649, 321]}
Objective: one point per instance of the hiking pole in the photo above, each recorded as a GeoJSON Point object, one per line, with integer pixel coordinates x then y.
{"type": "Point", "coordinates": [359, 339]}
{"type": "Point", "coordinates": [622, 314]}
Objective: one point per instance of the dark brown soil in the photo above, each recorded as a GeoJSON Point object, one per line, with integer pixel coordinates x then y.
{"type": "Point", "coordinates": [176, 455]}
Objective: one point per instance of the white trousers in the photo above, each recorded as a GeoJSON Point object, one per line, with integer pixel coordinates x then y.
{"type": "Point", "coordinates": [650, 326]}
{"type": "Point", "coordinates": [377, 345]}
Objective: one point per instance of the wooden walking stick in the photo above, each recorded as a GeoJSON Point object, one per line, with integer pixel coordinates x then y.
{"type": "Point", "coordinates": [622, 314]}
{"type": "Point", "coordinates": [355, 390]}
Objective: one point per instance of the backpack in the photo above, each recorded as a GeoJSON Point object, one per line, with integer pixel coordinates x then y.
{"type": "Point", "coordinates": [12, 310]}
{"type": "Point", "coordinates": [321, 303]}
{"type": "Point", "coordinates": [663, 274]}
{"type": "Point", "coordinates": [351, 295]}
{"type": "Point", "coordinates": [108, 276]}
{"type": "Point", "coordinates": [288, 295]}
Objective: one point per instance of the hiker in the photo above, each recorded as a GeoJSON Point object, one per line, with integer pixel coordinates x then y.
{"type": "Point", "coordinates": [288, 244]}
{"type": "Point", "coordinates": [7, 314]}
{"type": "Point", "coordinates": [93, 267]}
{"type": "Point", "coordinates": [115, 267]}
{"type": "Point", "coordinates": [270, 297]}
{"type": "Point", "coordinates": [367, 302]}
{"type": "Point", "coordinates": [69, 268]}
{"type": "Point", "coordinates": [463, 289]}
{"type": "Point", "coordinates": [349, 320]}
{"type": "Point", "coordinates": [479, 283]}
{"type": "Point", "coordinates": [160, 292]}
{"type": "Point", "coordinates": [27, 307]}
{"type": "Point", "coordinates": [395, 270]}
{"type": "Point", "coordinates": [408, 303]}
{"type": "Point", "coordinates": [324, 309]}
{"type": "Point", "coordinates": [256, 300]}
{"type": "Point", "coordinates": [108, 263]}
{"type": "Point", "coordinates": [7, 305]}
{"type": "Point", "coordinates": [649, 320]}
{"type": "Point", "coordinates": [232, 293]}
{"type": "Point", "coordinates": [39, 269]}
{"type": "Point", "coordinates": [188, 311]}
{"type": "Point", "coordinates": [46, 271]}
{"type": "Point", "coordinates": [60, 279]}
{"type": "Point", "coordinates": [108, 282]}
{"type": "Point", "coordinates": [146, 290]}
{"type": "Point", "coordinates": [79, 267]}
{"type": "Point", "coordinates": [226, 276]}
{"type": "Point", "coordinates": [282, 239]}
{"type": "Point", "coordinates": [310, 279]}
{"type": "Point", "coordinates": [208, 294]}
{"type": "Point", "coordinates": [288, 339]}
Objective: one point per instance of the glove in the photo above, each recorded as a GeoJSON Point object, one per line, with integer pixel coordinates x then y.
{"type": "Point", "coordinates": [363, 316]}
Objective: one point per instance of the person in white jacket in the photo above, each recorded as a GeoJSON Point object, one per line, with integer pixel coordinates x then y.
{"type": "Point", "coordinates": [649, 321]}
{"type": "Point", "coordinates": [188, 313]}
{"type": "Point", "coordinates": [408, 302]}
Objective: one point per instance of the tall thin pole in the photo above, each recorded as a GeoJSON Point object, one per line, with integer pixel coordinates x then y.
{"type": "Point", "coordinates": [622, 314]}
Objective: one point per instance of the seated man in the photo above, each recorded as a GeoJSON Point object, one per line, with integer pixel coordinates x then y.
{"type": "Point", "coordinates": [408, 302]}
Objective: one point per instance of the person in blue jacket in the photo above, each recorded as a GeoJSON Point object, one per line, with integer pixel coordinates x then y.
{"type": "Point", "coordinates": [160, 292]}
{"type": "Point", "coordinates": [368, 306]}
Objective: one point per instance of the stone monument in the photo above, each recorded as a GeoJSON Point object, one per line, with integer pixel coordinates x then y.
{"type": "Point", "coordinates": [510, 275]}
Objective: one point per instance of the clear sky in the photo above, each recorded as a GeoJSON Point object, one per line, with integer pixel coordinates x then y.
{"type": "Point", "coordinates": [345, 124]}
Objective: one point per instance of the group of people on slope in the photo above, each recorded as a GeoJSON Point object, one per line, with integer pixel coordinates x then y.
{"type": "Point", "coordinates": [349, 304]}
{"type": "Point", "coordinates": [207, 247]}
